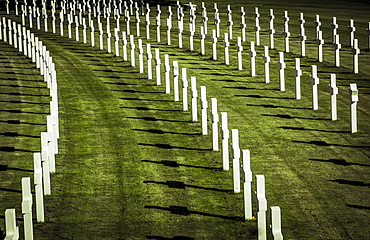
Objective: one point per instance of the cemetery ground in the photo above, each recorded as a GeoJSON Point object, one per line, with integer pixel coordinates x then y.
{"type": "Point", "coordinates": [132, 164]}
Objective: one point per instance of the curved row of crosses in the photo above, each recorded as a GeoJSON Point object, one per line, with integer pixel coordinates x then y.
{"type": "Point", "coordinates": [75, 14]}
{"type": "Point", "coordinates": [44, 161]}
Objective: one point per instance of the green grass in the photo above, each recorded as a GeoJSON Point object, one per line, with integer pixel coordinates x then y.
{"type": "Point", "coordinates": [132, 165]}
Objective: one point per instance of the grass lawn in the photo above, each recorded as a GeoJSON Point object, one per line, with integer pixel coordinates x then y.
{"type": "Point", "coordinates": [132, 164]}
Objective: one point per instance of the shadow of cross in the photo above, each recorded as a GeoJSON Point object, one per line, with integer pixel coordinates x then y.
{"type": "Point", "coordinates": [309, 129]}
{"type": "Point", "coordinates": [18, 101]}
{"type": "Point", "coordinates": [168, 163]}
{"type": "Point", "coordinates": [259, 96]}
{"type": "Point", "coordinates": [174, 238]}
{"type": "Point", "coordinates": [21, 111]}
{"type": "Point", "coordinates": [358, 207]}
{"type": "Point", "coordinates": [168, 146]}
{"type": "Point", "coordinates": [12, 121]}
{"type": "Point", "coordinates": [158, 131]}
{"type": "Point", "coordinates": [7, 149]}
{"type": "Point", "coordinates": [15, 134]}
{"type": "Point", "coordinates": [325, 144]}
{"type": "Point", "coordinates": [12, 149]}
{"type": "Point", "coordinates": [286, 116]}
{"type": "Point", "coordinates": [6, 168]}
{"type": "Point", "coordinates": [184, 211]}
{"type": "Point", "coordinates": [273, 106]}
{"type": "Point", "coordinates": [10, 190]}
{"type": "Point", "coordinates": [144, 99]}
{"type": "Point", "coordinates": [182, 185]}
{"type": "Point", "coordinates": [350, 182]}
{"type": "Point", "coordinates": [153, 109]}
{"type": "Point", "coordinates": [158, 119]}
{"type": "Point", "coordinates": [341, 162]}
{"type": "Point", "coordinates": [19, 122]}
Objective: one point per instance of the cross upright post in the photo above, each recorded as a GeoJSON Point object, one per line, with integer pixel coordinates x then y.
{"type": "Point", "coordinates": [239, 49]}
{"type": "Point", "coordinates": [226, 48]}
{"type": "Point", "coordinates": [315, 82]}
{"type": "Point", "coordinates": [302, 36]}
{"type": "Point", "coordinates": [225, 141]}
{"type": "Point", "coordinates": [271, 29]}
{"type": "Point", "coordinates": [204, 106]}
{"type": "Point", "coordinates": [333, 90]}
{"type": "Point", "coordinates": [282, 66]}
{"type": "Point", "coordinates": [257, 27]}
{"type": "Point", "coordinates": [298, 74]}
{"type": "Point", "coordinates": [247, 175]}
{"type": "Point", "coordinates": [351, 29]}
{"type": "Point", "coordinates": [266, 59]}
{"type": "Point", "coordinates": [355, 52]}
{"type": "Point", "coordinates": [253, 55]}
{"type": "Point", "coordinates": [353, 97]}
{"type": "Point", "coordinates": [243, 26]}
{"type": "Point", "coordinates": [286, 32]}
{"type": "Point", "coordinates": [337, 46]}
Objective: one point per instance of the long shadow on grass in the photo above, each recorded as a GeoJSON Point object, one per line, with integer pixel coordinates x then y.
{"type": "Point", "coordinates": [28, 74]}
{"type": "Point", "coordinates": [114, 71]}
{"type": "Point", "coordinates": [21, 111]}
{"type": "Point", "coordinates": [131, 78]}
{"type": "Point", "coordinates": [6, 168]}
{"type": "Point", "coordinates": [173, 238]}
{"type": "Point", "coordinates": [291, 117]}
{"type": "Point", "coordinates": [19, 122]}
{"type": "Point", "coordinates": [117, 83]}
{"type": "Point", "coordinates": [176, 164]}
{"type": "Point", "coordinates": [15, 79]}
{"type": "Point", "coordinates": [182, 185]}
{"type": "Point", "coordinates": [350, 182]}
{"type": "Point", "coordinates": [340, 162]}
{"type": "Point", "coordinates": [358, 206]}
{"type": "Point", "coordinates": [15, 134]}
{"type": "Point", "coordinates": [205, 68]}
{"type": "Point", "coordinates": [308, 129]}
{"type": "Point", "coordinates": [18, 101]}
{"type": "Point", "coordinates": [227, 80]}
{"type": "Point", "coordinates": [20, 67]}
{"type": "Point", "coordinates": [157, 119]}
{"type": "Point", "coordinates": [132, 91]}
{"type": "Point", "coordinates": [17, 85]}
{"type": "Point", "coordinates": [13, 149]}
{"type": "Point", "coordinates": [126, 84]}
{"type": "Point", "coordinates": [156, 131]}
{"type": "Point", "coordinates": [168, 146]}
{"type": "Point", "coordinates": [5, 78]}
{"type": "Point", "coordinates": [184, 211]}
{"type": "Point", "coordinates": [259, 96]}
{"type": "Point", "coordinates": [325, 144]}
{"type": "Point", "coordinates": [10, 55]}
{"type": "Point", "coordinates": [10, 190]}
{"type": "Point", "coordinates": [142, 99]}
{"type": "Point", "coordinates": [24, 94]}
{"type": "Point", "coordinates": [273, 106]}
{"type": "Point", "coordinates": [154, 109]}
